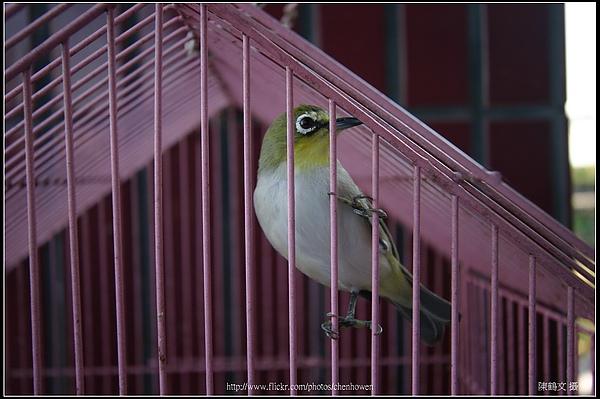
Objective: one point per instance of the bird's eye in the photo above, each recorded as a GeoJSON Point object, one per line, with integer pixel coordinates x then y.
{"type": "Point", "coordinates": [306, 123]}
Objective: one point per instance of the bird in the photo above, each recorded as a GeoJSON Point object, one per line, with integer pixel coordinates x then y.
{"type": "Point", "coordinates": [312, 224]}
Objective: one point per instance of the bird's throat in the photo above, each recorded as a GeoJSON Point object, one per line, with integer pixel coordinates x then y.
{"type": "Point", "coordinates": [308, 155]}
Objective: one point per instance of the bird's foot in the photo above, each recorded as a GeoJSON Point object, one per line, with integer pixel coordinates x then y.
{"type": "Point", "coordinates": [362, 206]}
{"type": "Point", "coordinates": [346, 322]}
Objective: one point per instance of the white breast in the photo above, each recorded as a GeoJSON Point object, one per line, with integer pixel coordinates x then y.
{"type": "Point", "coordinates": [313, 226]}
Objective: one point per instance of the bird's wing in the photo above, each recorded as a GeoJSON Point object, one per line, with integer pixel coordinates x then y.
{"type": "Point", "coordinates": [435, 312]}
{"type": "Point", "coordinates": [429, 300]}
{"type": "Point", "coordinates": [363, 207]}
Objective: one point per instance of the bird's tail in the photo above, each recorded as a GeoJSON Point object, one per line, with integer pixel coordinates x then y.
{"type": "Point", "coordinates": [435, 314]}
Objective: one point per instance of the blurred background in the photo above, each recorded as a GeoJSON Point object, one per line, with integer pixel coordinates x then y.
{"type": "Point", "coordinates": [580, 35]}
{"type": "Point", "coordinates": [512, 85]}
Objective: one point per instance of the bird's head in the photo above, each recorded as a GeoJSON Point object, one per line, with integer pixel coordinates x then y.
{"type": "Point", "coordinates": [311, 138]}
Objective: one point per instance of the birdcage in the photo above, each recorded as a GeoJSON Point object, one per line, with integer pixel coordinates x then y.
{"type": "Point", "coordinates": [134, 263]}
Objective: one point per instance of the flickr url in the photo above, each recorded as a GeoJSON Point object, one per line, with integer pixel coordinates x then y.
{"type": "Point", "coordinates": [309, 387]}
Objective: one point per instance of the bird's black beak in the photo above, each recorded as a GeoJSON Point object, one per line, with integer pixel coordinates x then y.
{"type": "Point", "coordinates": [345, 123]}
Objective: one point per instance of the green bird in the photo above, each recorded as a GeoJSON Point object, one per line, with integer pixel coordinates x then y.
{"type": "Point", "coordinates": [312, 207]}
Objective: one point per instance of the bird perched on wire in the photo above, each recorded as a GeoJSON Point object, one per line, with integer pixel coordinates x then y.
{"type": "Point", "coordinates": [312, 234]}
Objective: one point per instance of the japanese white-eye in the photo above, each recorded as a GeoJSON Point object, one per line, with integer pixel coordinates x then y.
{"type": "Point", "coordinates": [312, 234]}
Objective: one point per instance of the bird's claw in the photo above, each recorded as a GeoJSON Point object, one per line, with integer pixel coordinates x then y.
{"type": "Point", "coordinates": [362, 206]}
{"type": "Point", "coordinates": [346, 322]}
{"type": "Point", "coordinates": [328, 328]}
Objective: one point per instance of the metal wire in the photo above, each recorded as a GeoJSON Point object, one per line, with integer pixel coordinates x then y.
{"type": "Point", "coordinates": [532, 327]}
{"type": "Point", "coordinates": [159, 266]}
{"type": "Point", "coordinates": [73, 231]}
{"type": "Point", "coordinates": [206, 230]}
{"type": "Point", "coordinates": [248, 223]}
{"type": "Point", "coordinates": [333, 222]}
{"type": "Point", "coordinates": [375, 339]}
{"type": "Point", "coordinates": [34, 271]}
{"type": "Point", "coordinates": [416, 254]}
{"type": "Point", "coordinates": [454, 363]}
{"type": "Point", "coordinates": [494, 314]}
{"type": "Point", "coordinates": [116, 204]}
{"type": "Point", "coordinates": [291, 206]}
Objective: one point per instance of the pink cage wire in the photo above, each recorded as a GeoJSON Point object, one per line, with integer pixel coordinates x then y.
{"type": "Point", "coordinates": [114, 286]}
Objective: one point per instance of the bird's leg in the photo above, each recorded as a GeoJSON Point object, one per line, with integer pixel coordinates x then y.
{"type": "Point", "coordinates": [348, 321]}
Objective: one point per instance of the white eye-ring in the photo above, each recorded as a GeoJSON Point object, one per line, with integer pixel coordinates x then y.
{"type": "Point", "coordinates": [306, 123]}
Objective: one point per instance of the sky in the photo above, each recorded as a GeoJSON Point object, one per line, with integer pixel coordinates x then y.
{"type": "Point", "coordinates": [580, 27]}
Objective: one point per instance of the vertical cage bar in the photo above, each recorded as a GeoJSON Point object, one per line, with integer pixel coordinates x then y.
{"type": "Point", "coordinates": [116, 203]}
{"type": "Point", "coordinates": [289, 78]}
{"type": "Point", "coordinates": [72, 206]}
{"type": "Point", "coordinates": [375, 268]}
{"type": "Point", "coordinates": [170, 284]}
{"type": "Point", "coordinates": [483, 362]}
{"type": "Point", "coordinates": [522, 384]}
{"type": "Point", "coordinates": [416, 277]}
{"type": "Point", "coordinates": [546, 354]}
{"type": "Point", "coordinates": [54, 317]}
{"type": "Point", "coordinates": [198, 278]}
{"type": "Point", "coordinates": [475, 339]}
{"type": "Point", "coordinates": [532, 326]}
{"type": "Point", "coordinates": [454, 321]}
{"type": "Point", "coordinates": [437, 263]}
{"type": "Point", "coordinates": [206, 237]}
{"type": "Point", "coordinates": [186, 288]}
{"type": "Point", "coordinates": [333, 207]}
{"type": "Point", "coordinates": [135, 261]}
{"type": "Point", "coordinates": [571, 335]}
{"type": "Point", "coordinates": [218, 190]}
{"type": "Point", "coordinates": [494, 315]}
{"type": "Point", "coordinates": [561, 340]}
{"type": "Point", "coordinates": [248, 225]}
{"type": "Point", "coordinates": [161, 328]}
{"type": "Point", "coordinates": [508, 340]}
{"type": "Point", "coordinates": [220, 260]}
{"type": "Point", "coordinates": [23, 328]}
{"type": "Point", "coordinates": [104, 283]}
{"type": "Point", "coordinates": [34, 267]}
